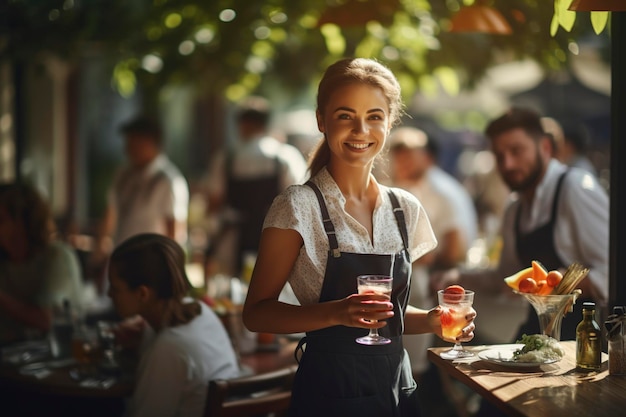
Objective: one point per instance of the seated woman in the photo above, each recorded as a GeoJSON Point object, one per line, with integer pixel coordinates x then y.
{"type": "Point", "coordinates": [37, 272]}
{"type": "Point", "coordinates": [183, 343]}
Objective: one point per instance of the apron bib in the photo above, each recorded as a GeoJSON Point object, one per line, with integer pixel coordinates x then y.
{"type": "Point", "coordinates": [338, 376]}
{"type": "Point", "coordinates": [252, 198]}
{"type": "Point", "coordinates": [539, 245]}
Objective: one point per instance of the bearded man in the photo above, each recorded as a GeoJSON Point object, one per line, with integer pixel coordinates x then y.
{"type": "Point", "coordinates": [556, 215]}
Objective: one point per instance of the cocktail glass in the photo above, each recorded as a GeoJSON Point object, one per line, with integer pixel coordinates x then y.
{"type": "Point", "coordinates": [455, 308]}
{"type": "Point", "coordinates": [550, 310]}
{"type": "Point", "coordinates": [374, 284]}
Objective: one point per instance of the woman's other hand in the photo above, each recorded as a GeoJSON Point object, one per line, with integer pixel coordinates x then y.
{"type": "Point", "coordinates": [434, 319]}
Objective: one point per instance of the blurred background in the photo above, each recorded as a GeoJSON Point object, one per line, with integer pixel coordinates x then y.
{"type": "Point", "coordinates": [71, 71]}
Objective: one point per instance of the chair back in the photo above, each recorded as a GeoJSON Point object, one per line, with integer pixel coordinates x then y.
{"type": "Point", "coordinates": [255, 395]}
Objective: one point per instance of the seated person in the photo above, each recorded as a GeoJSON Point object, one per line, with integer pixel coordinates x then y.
{"type": "Point", "coordinates": [183, 344]}
{"type": "Point", "coordinates": [37, 272]}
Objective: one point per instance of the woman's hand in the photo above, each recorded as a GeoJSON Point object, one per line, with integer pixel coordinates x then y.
{"type": "Point", "coordinates": [434, 319]}
{"type": "Point", "coordinates": [367, 311]}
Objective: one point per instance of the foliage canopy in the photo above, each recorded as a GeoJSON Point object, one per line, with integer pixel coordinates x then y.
{"type": "Point", "coordinates": [234, 46]}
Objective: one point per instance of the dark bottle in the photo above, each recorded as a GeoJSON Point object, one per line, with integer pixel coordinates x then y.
{"type": "Point", "coordinates": [62, 330]}
{"type": "Point", "coordinates": [588, 340]}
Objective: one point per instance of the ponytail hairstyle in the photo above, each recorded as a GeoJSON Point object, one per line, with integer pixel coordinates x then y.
{"type": "Point", "coordinates": [354, 71]}
{"type": "Point", "coordinates": [157, 262]}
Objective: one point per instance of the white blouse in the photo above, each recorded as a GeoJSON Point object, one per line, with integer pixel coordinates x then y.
{"type": "Point", "coordinates": [297, 209]}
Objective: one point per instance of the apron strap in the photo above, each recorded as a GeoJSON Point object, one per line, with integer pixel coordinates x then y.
{"type": "Point", "coordinates": [553, 211]}
{"type": "Point", "coordinates": [329, 228]}
{"type": "Point", "coordinates": [399, 213]}
{"type": "Point", "coordinates": [328, 225]}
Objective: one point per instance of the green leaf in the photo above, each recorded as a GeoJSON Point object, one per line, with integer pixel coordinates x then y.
{"type": "Point", "coordinates": [335, 42]}
{"type": "Point", "coordinates": [554, 25]}
{"type": "Point", "coordinates": [566, 17]}
{"type": "Point", "coordinates": [449, 80]}
{"type": "Point", "coordinates": [599, 21]}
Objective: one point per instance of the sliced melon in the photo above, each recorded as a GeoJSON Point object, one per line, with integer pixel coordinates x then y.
{"type": "Point", "coordinates": [539, 272]}
{"type": "Point", "coordinates": [514, 280]}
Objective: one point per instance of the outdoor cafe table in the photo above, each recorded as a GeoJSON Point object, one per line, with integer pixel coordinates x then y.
{"type": "Point", "coordinates": [558, 389]}
{"type": "Point", "coordinates": [59, 382]}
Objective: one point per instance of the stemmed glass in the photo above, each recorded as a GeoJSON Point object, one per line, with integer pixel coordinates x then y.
{"type": "Point", "coordinates": [106, 335]}
{"type": "Point", "coordinates": [374, 284]}
{"type": "Point", "coordinates": [455, 308]}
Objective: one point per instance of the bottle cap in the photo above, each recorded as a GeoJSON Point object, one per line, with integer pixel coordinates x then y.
{"type": "Point", "coordinates": [589, 305]}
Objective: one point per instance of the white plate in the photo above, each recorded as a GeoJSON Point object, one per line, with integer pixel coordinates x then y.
{"type": "Point", "coordinates": [503, 355]}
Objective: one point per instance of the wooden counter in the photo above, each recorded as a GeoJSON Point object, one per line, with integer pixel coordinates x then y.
{"type": "Point", "coordinates": [558, 389]}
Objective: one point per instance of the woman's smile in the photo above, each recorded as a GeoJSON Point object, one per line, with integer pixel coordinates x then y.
{"type": "Point", "coordinates": [359, 145]}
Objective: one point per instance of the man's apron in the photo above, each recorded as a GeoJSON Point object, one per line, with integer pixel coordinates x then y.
{"type": "Point", "coordinates": [252, 198]}
{"type": "Point", "coordinates": [338, 376]}
{"type": "Point", "coordinates": [539, 245]}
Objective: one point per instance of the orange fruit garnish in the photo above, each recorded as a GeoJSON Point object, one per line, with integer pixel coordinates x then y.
{"type": "Point", "coordinates": [528, 285]}
{"type": "Point", "coordinates": [539, 272]}
{"type": "Point", "coordinates": [554, 277]}
{"type": "Point", "coordinates": [453, 294]}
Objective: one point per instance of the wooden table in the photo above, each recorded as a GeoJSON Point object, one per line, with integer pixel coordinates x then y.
{"type": "Point", "coordinates": [59, 382]}
{"type": "Point", "coordinates": [557, 389]}
{"type": "Point", "coordinates": [263, 361]}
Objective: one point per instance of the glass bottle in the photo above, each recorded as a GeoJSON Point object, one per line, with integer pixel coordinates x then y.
{"type": "Point", "coordinates": [62, 330]}
{"type": "Point", "coordinates": [588, 340]}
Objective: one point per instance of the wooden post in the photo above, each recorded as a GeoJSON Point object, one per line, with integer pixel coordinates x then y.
{"type": "Point", "coordinates": [617, 247]}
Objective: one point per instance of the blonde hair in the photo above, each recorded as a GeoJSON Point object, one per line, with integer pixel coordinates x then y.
{"type": "Point", "coordinates": [354, 71]}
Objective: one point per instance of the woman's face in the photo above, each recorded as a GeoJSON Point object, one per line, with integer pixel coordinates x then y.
{"type": "Point", "coordinates": [356, 123]}
{"type": "Point", "coordinates": [127, 302]}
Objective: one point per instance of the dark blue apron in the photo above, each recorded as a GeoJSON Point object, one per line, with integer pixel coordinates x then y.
{"type": "Point", "coordinates": [539, 245]}
{"type": "Point", "coordinates": [338, 376]}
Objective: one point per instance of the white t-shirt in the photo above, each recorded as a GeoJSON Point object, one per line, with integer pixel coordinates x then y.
{"type": "Point", "coordinates": [177, 364]}
{"type": "Point", "coordinates": [464, 211]}
{"type": "Point", "coordinates": [45, 280]}
{"type": "Point", "coordinates": [297, 209]}
{"type": "Point", "coordinates": [257, 158]}
{"type": "Point", "coordinates": [144, 199]}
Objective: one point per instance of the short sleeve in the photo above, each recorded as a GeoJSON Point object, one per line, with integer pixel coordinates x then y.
{"type": "Point", "coordinates": [287, 209]}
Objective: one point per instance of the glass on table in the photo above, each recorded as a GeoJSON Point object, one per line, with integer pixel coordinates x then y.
{"type": "Point", "coordinates": [455, 308]}
{"type": "Point", "coordinates": [108, 344]}
{"type": "Point", "coordinates": [374, 284]}
{"type": "Point", "coordinates": [85, 347]}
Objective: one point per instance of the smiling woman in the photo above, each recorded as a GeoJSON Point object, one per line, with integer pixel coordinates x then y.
{"type": "Point", "coordinates": [320, 236]}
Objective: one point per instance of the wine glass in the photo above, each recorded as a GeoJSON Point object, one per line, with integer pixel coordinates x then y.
{"type": "Point", "coordinates": [455, 308]}
{"type": "Point", "coordinates": [106, 336]}
{"type": "Point", "coordinates": [374, 284]}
